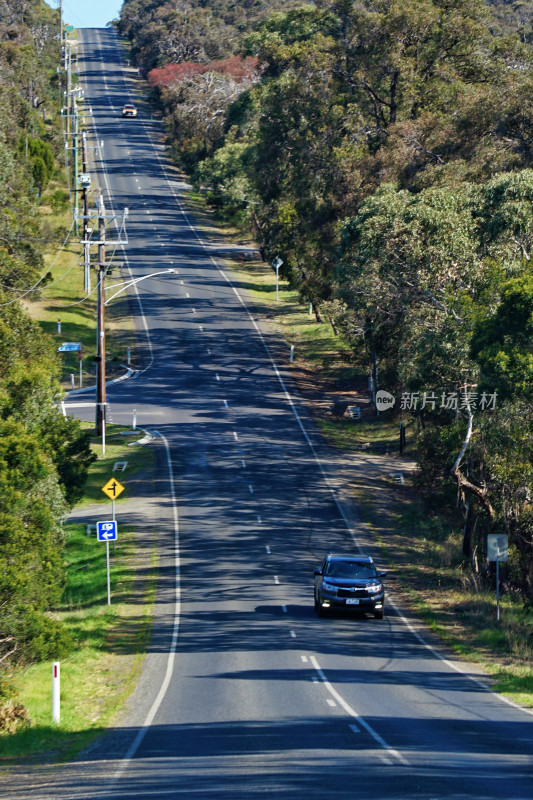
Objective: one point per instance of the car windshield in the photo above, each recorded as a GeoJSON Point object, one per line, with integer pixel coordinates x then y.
{"type": "Point", "coordinates": [350, 569]}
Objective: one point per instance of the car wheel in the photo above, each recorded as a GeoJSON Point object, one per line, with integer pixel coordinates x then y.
{"type": "Point", "coordinates": [379, 614]}
{"type": "Point", "coordinates": [318, 608]}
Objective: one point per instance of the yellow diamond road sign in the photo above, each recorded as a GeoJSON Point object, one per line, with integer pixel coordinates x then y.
{"type": "Point", "coordinates": [112, 489]}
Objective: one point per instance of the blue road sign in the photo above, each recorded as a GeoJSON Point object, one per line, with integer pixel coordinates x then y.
{"type": "Point", "coordinates": [106, 531]}
{"type": "Point", "coordinates": [66, 347]}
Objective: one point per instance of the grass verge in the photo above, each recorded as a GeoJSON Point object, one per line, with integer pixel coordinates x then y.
{"type": "Point", "coordinates": [110, 640]}
{"type": "Point", "coordinates": [422, 543]}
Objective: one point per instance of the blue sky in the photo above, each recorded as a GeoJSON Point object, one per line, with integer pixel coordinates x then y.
{"type": "Point", "coordinates": [88, 13]}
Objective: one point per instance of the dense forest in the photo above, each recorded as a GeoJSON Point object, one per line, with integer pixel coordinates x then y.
{"type": "Point", "coordinates": [43, 456]}
{"type": "Point", "coordinates": [384, 150]}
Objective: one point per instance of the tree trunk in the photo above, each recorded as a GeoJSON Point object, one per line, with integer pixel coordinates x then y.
{"type": "Point", "coordinates": [318, 315]}
{"type": "Point", "coordinates": [462, 482]}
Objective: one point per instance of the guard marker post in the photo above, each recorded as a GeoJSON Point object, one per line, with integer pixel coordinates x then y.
{"type": "Point", "coordinates": [292, 354]}
{"type": "Point", "coordinates": [56, 687]}
{"type": "Point", "coordinates": [134, 419]}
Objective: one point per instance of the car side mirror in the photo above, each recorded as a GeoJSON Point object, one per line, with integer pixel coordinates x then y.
{"type": "Point", "coordinates": [318, 572]}
{"type": "Point", "coordinates": [382, 574]}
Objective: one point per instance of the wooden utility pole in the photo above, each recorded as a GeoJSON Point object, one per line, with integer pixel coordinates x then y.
{"type": "Point", "coordinates": [100, 324]}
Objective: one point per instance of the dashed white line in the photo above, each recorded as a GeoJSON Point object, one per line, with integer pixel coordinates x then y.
{"type": "Point", "coordinates": [208, 351]}
{"type": "Point", "coordinates": [304, 659]}
{"type": "Point", "coordinates": [349, 710]}
{"type": "Point", "coordinates": [260, 521]}
{"type": "Point", "coordinates": [226, 403]}
{"type": "Point", "coordinates": [217, 376]}
{"type": "Point", "coordinates": [276, 579]}
{"type": "Point", "coordinates": [293, 635]}
{"type": "Point", "coordinates": [331, 702]}
{"type": "Point", "coordinates": [250, 488]}
{"type": "Point", "coordinates": [188, 295]}
{"type": "Point", "coordinates": [243, 463]}
{"type": "Point", "coordinates": [236, 436]}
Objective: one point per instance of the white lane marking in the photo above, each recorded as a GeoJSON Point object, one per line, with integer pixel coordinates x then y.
{"type": "Point", "coordinates": [188, 295]}
{"type": "Point", "coordinates": [456, 668]}
{"type": "Point", "coordinates": [208, 351]}
{"type": "Point", "coordinates": [354, 728]}
{"type": "Point", "coordinates": [126, 260]}
{"type": "Point", "coordinates": [284, 609]}
{"type": "Point", "coordinates": [243, 462]}
{"type": "Point", "coordinates": [293, 635]}
{"type": "Point", "coordinates": [236, 436]}
{"type": "Point", "coordinates": [225, 401]}
{"type": "Point", "coordinates": [349, 710]}
{"type": "Point", "coordinates": [314, 679]}
{"type": "Point", "coordinates": [250, 488]}
{"type": "Point", "coordinates": [260, 521]}
{"type": "Point", "coordinates": [331, 702]}
{"type": "Point", "coordinates": [217, 376]}
{"type": "Point", "coordinates": [304, 659]}
{"type": "Point", "coordinates": [173, 644]}
{"type": "Point", "coordinates": [194, 311]}
{"type": "Point", "coordinates": [201, 328]}
{"type": "Point", "coordinates": [267, 548]}
{"type": "Point", "coordinates": [276, 579]}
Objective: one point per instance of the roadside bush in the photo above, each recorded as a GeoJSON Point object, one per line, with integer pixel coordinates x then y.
{"type": "Point", "coordinates": [59, 201]}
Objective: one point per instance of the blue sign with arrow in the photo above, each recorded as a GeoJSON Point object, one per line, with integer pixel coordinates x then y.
{"type": "Point", "coordinates": [67, 347]}
{"type": "Point", "coordinates": [106, 531]}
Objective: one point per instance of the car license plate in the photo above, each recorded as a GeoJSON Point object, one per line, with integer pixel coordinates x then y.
{"type": "Point", "coordinates": [352, 601]}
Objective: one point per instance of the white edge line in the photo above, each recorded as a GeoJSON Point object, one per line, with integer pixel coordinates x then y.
{"type": "Point", "coordinates": [222, 272]}
{"type": "Point", "coordinates": [455, 667]}
{"type": "Point", "coordinates": [173, 645]}
{"type": "Point", "coordinates": [315, 454]}
{"type": "Point", "coordinates": [352, 713]}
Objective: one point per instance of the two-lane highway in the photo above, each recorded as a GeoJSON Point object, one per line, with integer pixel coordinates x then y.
{"type": "Point", "coordinates": [245, 692]}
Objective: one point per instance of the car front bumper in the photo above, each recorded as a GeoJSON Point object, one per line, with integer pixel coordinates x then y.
{"type": "Point", "coordinates": [367, 603]}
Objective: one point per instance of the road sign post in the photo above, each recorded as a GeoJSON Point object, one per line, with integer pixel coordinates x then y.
{"type": "Point", "coordinates": [497, 550]}
{"type": "Point", "coordinates": [277, 264]}
{"type": "Point", "coordinates": [106, 531]}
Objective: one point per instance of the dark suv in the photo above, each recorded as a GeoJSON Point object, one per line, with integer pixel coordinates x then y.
{"type": "Point", "coordinates": [351, 583]}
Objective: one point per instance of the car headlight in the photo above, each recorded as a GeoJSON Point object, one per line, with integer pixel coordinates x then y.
{"type": "Point", "coordinates": [329, 587]}
{"type": "Point", "coordinates": [374, 588]}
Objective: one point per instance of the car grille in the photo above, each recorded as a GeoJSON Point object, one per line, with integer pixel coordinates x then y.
{"type": "Point", "coordinates": [352, 593]}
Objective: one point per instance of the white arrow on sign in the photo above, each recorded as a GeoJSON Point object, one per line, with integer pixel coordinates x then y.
{"type": "Point", "coordinates": [107, 531]}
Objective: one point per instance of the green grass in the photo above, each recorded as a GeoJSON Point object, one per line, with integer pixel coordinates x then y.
{"type": "Point", "coordinates": [65, 298]}
{"type": "Point", "coordinates": [423, 545]}
{"type": "Point", "coordinates": [100, 673]}
{"type": "Point", "coordinates": [116, 449]}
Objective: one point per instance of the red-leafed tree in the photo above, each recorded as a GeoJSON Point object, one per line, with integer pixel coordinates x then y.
{"type": "Point", "coordinates": [242, 70]}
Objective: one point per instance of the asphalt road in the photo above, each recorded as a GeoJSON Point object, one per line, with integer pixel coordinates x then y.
{"type": "Point", "coordinates": [245, 693]}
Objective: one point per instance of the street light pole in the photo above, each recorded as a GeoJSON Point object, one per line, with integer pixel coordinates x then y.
{"type": "Point", "coordinates": [100, 327]}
